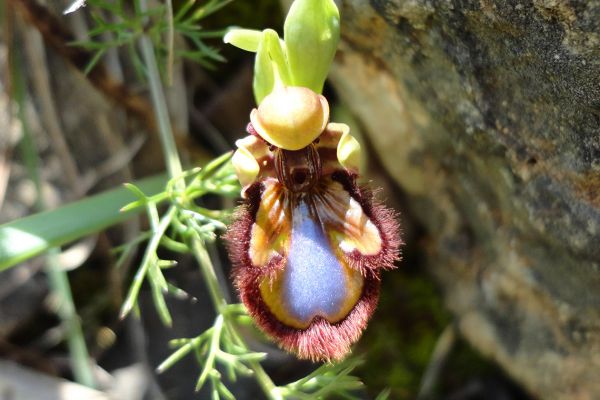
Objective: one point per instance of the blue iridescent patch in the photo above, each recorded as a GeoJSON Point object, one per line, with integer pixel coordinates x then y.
{"type": "Point", "coordinates": [313, 279]}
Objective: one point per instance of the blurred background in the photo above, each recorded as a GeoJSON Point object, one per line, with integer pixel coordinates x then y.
{"type": "Point", "coordinates": [497, 293]}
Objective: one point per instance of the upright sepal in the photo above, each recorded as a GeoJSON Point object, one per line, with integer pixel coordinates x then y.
{"type": "Point", "coordinates": [311, 35]}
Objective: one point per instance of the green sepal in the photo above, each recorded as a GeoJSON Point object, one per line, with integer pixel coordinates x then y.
{"type": "Point", "coordinates": [264, 75]}
{"type": "Point", "coordinates": [311, 35]}
{"type": "Point", "coordinates": [245, 39]}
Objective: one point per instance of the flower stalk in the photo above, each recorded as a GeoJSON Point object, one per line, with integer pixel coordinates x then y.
{"type": "Point", "coordinates": [160, 104]}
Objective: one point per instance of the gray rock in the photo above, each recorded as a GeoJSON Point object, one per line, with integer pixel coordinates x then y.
{"type": "Point", "coordinates": [487, 115]}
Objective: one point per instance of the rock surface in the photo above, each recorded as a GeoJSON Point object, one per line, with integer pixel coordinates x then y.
{"type": "Point", "coordinates": [487, 115]}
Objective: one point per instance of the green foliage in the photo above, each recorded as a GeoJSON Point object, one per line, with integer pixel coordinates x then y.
{"type": "Point", "coordinates": [125, 27]}
{"type": "Point", "coordinates": [183, 222]}
{"type": "Point", "coordinates": [219, 344]}
{"type": "Point", "coordinates": [327, 381]}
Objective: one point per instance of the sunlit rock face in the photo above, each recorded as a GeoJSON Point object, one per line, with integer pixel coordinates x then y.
{"type": "Point", "coordinates": [486, 117]}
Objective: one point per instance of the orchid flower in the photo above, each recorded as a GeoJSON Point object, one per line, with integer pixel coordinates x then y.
{"type": "Point", "coordinates": [309, 244]}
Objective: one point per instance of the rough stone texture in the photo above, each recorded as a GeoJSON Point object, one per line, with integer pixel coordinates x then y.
{"type": "Point", "coordinates": [487, 115]}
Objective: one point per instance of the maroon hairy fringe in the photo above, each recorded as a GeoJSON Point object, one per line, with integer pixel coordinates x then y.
{"type": "Point", "coordinates": [322, 340]}
{"type": "Point", "coordinates": [386, 221]}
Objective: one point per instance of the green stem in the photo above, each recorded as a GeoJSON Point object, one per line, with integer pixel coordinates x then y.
{"type": "Point", "coordinates": [170, 42]}
{"type": "Point", "coordinates": [160, 105]}
{"type": "Point", "coordinates": [208, 273]}
{"type": "Point", "coordinates": [265, 382]}
{"type": "Point", "coordinates": [79, 356]}
{"type": "Point", "coordinates": [216, 293]}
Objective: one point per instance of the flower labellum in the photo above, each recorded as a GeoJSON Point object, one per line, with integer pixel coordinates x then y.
{"type": "Point", "coordinates": [308, 245]}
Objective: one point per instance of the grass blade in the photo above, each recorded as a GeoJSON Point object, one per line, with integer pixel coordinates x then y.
{"type": "Point", "coordinates": [33, 235]}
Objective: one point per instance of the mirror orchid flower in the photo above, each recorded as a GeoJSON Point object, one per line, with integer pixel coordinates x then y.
{"type": "Point", "coordinates": [309, 244]}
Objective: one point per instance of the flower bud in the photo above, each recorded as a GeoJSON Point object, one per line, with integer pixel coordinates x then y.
{"type": "Point", "coordinates": [291, 117]}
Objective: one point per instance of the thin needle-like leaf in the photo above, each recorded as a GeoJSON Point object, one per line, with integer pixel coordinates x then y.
{"type": "Point", "coordinates": [212, 354]}
{"type": "Point", "coordinates": [136, 285]}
